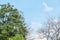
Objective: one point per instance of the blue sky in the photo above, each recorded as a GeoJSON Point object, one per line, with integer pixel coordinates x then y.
{"type": "Point", "coordinates": [36, 12]}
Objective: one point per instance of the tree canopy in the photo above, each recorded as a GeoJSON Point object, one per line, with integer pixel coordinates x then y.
{"type": "Point", "coordinates": [11, 22]}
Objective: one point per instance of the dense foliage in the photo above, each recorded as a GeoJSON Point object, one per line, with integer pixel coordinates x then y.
{"type": "Point", "coordinates": [16, 37]}
{"type": "Point", "coordinates": [11, 23]}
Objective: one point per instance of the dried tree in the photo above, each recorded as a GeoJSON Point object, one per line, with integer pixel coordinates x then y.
{"type": "Point", "coordinates": [51, 29]}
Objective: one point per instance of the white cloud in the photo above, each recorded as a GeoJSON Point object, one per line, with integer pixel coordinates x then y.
{"type": "Point", "coordinates": [35, 25]}
{"type": "Point", "coordinates": [35, 37]}
{"type": "Point", "coordinates": [55, 0]}
{"type": "Point", "coordinates": [47, 8]}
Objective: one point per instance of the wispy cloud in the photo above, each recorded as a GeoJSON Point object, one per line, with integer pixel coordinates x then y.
{"type": "Point", "coordinates": [35, 37]}
{"type": "Point", "coordinates": [35, 25]}
{"type": "Point", "coordinates": [47, 8]}
{"type": "Point", "coordinates": [56, 0]}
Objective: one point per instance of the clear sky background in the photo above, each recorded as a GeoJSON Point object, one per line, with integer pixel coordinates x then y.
{"type": "Point", "coordinates": [36, 12]}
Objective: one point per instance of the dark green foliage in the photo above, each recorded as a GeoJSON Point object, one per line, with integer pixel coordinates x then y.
{"type": "Point", "coordinates": [11, 22]}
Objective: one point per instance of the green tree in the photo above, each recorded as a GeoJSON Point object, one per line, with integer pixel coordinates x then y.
{"type": "Point", "coordinates": [16, 37]}
{"type": "Point", "coordinates": [11, 22]}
